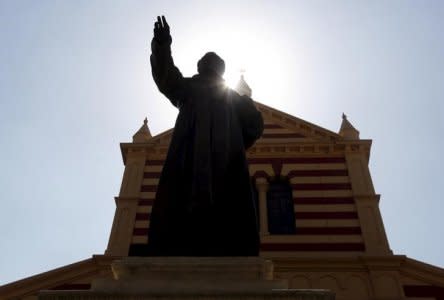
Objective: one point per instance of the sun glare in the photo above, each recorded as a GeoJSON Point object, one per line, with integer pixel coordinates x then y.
{"type": "Point", "coordinates": [254, 55]}
{"type": "Point", "coordinates": [232, 77]}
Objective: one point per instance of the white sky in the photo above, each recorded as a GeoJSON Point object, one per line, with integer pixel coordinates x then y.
{"type": "Point", "coordinates": [75, 82]}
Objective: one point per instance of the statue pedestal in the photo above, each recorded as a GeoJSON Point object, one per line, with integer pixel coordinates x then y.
{"type": "Point", "coordinates": [190, 278]}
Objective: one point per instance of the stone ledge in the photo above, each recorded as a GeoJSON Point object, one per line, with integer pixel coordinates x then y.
{"type": "Point", "coordinates": [200, 278]}
{"type": "Point", "coordinates": [185, 268]}
{"type": "Point", "coordinates": [290, 294]}
{"type": "Point", "coordinates": [207, 287]}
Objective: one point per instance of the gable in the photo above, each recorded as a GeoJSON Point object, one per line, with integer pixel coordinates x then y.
{"type": "Point", "coordinates": [278, 127]}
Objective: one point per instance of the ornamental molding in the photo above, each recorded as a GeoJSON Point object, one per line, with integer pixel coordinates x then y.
{"type": "Point", "coordinates": [122, 200]}
{"type": "Point", "coordinates": [371, 198]}
{"type": "Point", "coordinates": [283, 150]}
{"type": "Point", "coordinates": [265, 150]}
{"type": "Point", "coordinates": [338, 264]}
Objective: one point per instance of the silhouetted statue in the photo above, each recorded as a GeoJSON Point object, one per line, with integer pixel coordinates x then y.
{"type": "Point", "coordinates": [204, 203]}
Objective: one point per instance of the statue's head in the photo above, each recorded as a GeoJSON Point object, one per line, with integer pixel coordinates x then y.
{"type": "Point", "coordinates": [211, 63]}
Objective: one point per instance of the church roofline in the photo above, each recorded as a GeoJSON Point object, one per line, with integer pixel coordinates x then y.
{"type": "Point", "coordinates": [49, 279]}
{"type": "Point", "coordinates": [287, 117]}
{"type": "Point", "coordinates": [315, 133]}
{"type": "Point", "coordinates": [271, 109]}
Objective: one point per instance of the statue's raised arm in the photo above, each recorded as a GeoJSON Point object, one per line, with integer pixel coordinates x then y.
{"type": "Point", "coordinates": [167, 76]}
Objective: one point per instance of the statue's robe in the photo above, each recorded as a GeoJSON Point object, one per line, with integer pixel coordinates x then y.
{"type": "Point", "coordinates": [204, 204]}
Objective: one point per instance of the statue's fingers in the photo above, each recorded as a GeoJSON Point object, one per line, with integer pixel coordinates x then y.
{"type": "Point", "coordinates": [159, 21]}
{"type": "Point", "coordinates": [165, 24]}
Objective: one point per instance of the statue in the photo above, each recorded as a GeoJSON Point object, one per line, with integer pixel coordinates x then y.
{"type": "Point", "coordinates": [204, 203]}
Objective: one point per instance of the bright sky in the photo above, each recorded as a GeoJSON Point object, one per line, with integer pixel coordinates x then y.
{"type": "Point", "coordinates": [75, 82]}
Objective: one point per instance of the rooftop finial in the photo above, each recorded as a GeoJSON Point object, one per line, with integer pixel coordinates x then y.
{"type": "Point", "coordinates": [347, 131]}
{"type": "Point", "coordinates": [143, 134]}
{"type": "Point", "coordinates": [242, 87]}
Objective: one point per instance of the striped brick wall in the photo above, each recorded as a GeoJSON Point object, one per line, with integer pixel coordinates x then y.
{"type": "Point", "coordinates": [325, 211]}
{"type": "Point", "coordinates": [151, 176]}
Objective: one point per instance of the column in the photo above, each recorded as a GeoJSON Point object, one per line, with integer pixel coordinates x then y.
{"type": "Point", "coordinates": [262, 188]}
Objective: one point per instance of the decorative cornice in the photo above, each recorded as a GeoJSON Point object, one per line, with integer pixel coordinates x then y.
{"type": "Point", "coordinates": [126, 148]}
{"type": "Point", "coordinates": [337, 264]}
{"type": "Point", "coordinates": [310, 148]}
{"type": "Point", "coordinates": [383, 263]}
{"type": "Point", "coordinates": [367, 198]}
{"type": "Point", "coordinates": [262, 149]}
{"type": "Point", "coordinates": [121, 200]}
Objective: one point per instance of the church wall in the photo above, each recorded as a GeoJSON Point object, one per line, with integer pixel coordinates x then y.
{"type": "Point", "coordinates": [335, 205]}
{"type": "Point", "coordinates": [324, 208]}
{"type": "Point", "coordinates": [325, 213]}
{"type": "Point", "coordinates": [326, 217]}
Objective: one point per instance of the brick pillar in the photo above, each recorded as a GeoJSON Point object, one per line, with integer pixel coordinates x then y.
{"type": "Point", "coordinates": [367, 205]}
{"type": "Point", "coordinates": [127, 202]}
{"type": "Point", "coordinates": [262, 188]}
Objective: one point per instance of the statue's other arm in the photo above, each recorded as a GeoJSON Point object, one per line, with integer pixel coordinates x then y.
{"type": "Point", "coordinates": [167, 76]}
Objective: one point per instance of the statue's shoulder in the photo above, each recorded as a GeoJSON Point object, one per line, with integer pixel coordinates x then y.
{"type": "Point", "coordinates": [235, 94]}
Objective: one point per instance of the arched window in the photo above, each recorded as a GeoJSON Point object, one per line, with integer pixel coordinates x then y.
{"type": "Point", "coordinates": [281, 218]}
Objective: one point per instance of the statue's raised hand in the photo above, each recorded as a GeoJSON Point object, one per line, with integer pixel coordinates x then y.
{"type": "Point", "coordinates": [162, 31]}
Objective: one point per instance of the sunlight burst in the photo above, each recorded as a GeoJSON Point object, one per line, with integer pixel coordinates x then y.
{"type": "Point", "coordinates": [254, 55]}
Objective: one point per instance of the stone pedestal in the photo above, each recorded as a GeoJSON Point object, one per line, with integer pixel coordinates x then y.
{"type": "Point", "coordinates": [202, 278]}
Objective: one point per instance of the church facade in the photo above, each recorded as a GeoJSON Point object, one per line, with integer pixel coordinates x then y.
{"type": "Point", "coordinates": [318, 216]}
